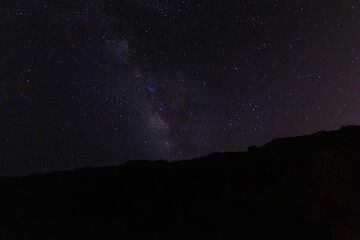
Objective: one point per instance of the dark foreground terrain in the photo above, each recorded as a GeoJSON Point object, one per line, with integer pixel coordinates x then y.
{"type": "Point", "coordinates": [296, 188]}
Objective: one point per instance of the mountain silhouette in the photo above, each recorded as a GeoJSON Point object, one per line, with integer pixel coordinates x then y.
{"type": "Point", "coordinates": [304, 187]}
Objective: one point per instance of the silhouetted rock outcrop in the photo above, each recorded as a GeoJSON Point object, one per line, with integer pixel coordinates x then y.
{"type": "Point", "coordinates": [294, 188]}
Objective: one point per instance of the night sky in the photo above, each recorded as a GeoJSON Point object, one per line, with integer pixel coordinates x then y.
{"type": "Point", "coordinates": [101, 82]}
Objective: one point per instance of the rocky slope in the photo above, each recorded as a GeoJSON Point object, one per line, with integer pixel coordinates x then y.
{"type": "Point", "coordinates": [295, 188]}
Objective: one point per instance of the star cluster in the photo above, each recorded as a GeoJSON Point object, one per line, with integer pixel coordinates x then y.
{"type": "Point", "coordinates": [101, 82]}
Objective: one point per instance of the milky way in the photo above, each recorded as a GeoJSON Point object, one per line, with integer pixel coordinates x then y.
{"type": "Point", "coordinates": [102, 82]}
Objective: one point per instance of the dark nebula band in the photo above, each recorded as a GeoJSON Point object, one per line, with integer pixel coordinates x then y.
{"type": "Point", "coordinates": [102, 82]}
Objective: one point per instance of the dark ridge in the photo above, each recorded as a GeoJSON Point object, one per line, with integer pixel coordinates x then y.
{"type": "Point", "coordinates": [304, 187]}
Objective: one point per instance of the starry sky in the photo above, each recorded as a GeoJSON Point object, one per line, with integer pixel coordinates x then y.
{"type": "Point", "coordinates": [101, 82]}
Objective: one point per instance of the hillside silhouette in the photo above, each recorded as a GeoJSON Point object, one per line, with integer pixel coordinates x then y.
{"type": "Point", "coordinates": [304, 187]}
